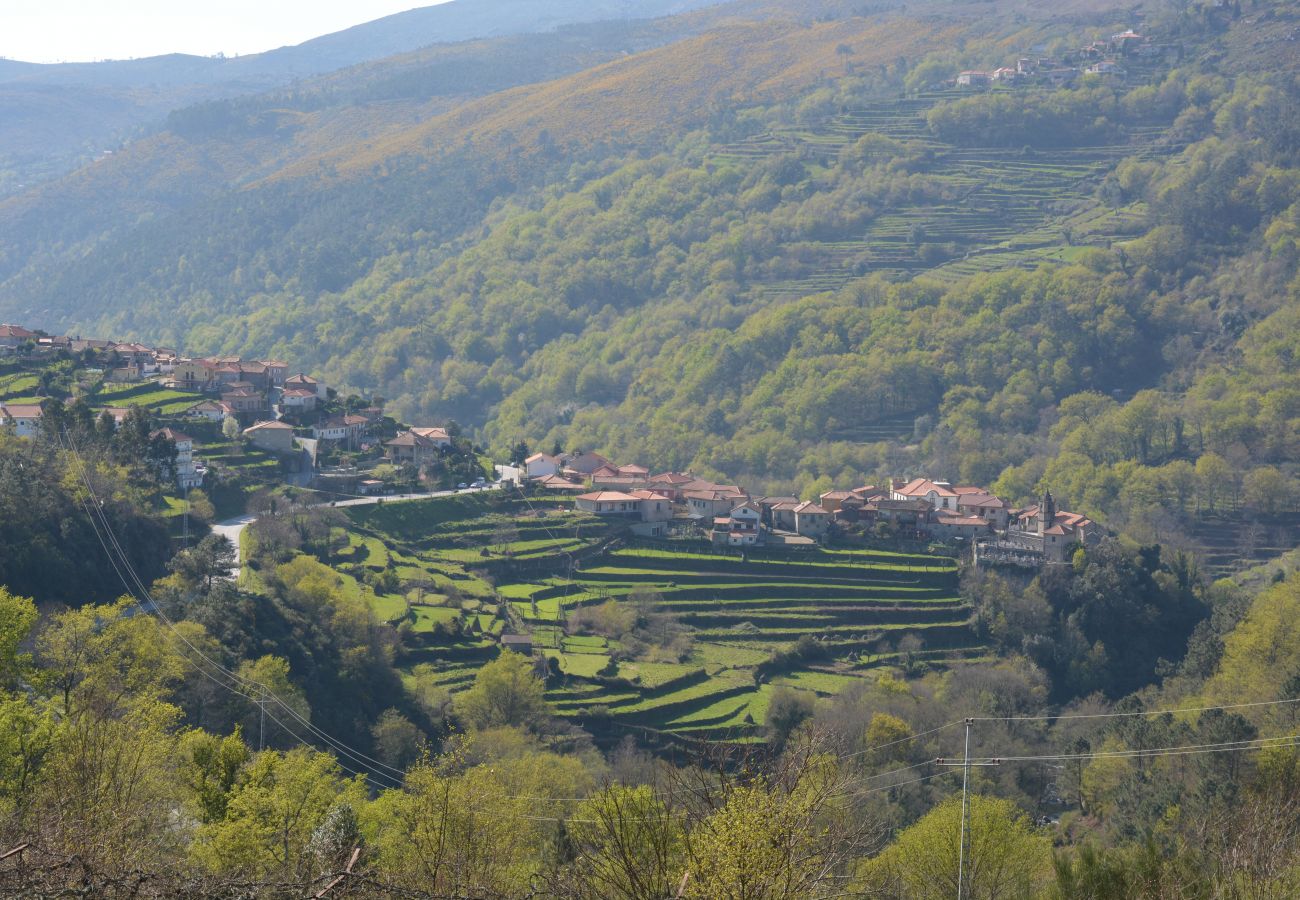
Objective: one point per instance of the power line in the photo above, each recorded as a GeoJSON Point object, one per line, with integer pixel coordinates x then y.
{"type": "Point", "coordinates": [264, 692]}
{"type": "Point", "coordinates": [1128, 714]}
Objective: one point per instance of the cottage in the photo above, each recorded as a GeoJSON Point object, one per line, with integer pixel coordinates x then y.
{"type": "Point", "coordinates": [186, 475]}
{"type": "Point", "coordinates": [742, 527]}
{"type": "Point", "coordinates": [244, 401]}
{"type": "Point", "coordinates": [956, 525]}
{"type": "Point", "coordinates": [811, 520]}
{"type": "Point", "coordinates": [212, 410]}
{"type": "Point", "coordinates": [831, 501]}
{"type": "Point", "coordinates": [609, 503]}
{"type": "Point", "coordinates": [14, 336]}
{"type": "Point", "coordinates": [904, 513]}
{"type": "Point", "coordinates": [298, 400]}
{"type": "Point", "coordinates": [709, 504]}
{"type": "Point", "coordinates": [409, 447]}
{"type": "Point", "coordinates": [974, 79]}
{"type": "Point", "coordinates": [558, 483]}
{"type": "Point", "coordinates": [277, 437]}
{"type": "Point", "coordinates": [541, 465]}
{"type": "Point", "coordinates": [973, 501]}
{"type": "Point", "coordinates": [655, 507]}
{"type": "Point", "coordinates": [117, 413]}
{"type": "Point", "coordinates": [194, 374]}
{"type": "Point", "coordinates": [23, 418]}
{"type": "Point", "coordinates": [939, 494]}
{"type": "Point", "coordinates": [582, 464]}
{"type": "Point", "coordinates": [306, 381]}
{"type": "Point", "coordinates": [347, 428]}
{"type": "Point", "coordinates": [768, 507]}
{"type": "Point", "coordinates": [438, 436]}
{"type": "Point", "coordinates": [276, 372]}
{"type": "Point", "coordinates": [517, 643]}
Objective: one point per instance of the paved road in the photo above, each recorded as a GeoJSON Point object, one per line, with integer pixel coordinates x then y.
{"type": "Point", "coordinates": [232, 528]}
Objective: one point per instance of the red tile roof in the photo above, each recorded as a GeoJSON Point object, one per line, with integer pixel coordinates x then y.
{"type": "Point", "coordinates": [609, 497]}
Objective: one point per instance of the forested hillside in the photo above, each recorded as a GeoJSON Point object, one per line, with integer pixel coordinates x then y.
{"type": "Point", "coordinates": [776, 242]}
{"type": "Point", "coordinates": [775, 248]}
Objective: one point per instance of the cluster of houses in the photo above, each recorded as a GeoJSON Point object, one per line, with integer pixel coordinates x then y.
{"type": "Point", "coordinates": [274, 409]}
{"type": "Point", "coordinates": [1102, 57]}
{"type": "Point", "coordinates": [940, 509]}
{"type": "Point", "coordinates": [730, 517]}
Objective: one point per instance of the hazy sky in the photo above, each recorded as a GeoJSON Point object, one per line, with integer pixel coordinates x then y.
{"type": "Point", "coordinates": [81, 30]}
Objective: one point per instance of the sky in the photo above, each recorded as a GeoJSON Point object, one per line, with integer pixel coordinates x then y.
{"type": "Point", "coordinates": [86, 30]}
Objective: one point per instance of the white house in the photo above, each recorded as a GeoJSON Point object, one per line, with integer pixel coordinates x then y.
{"type": "Point", "coordinates": [939, 494]}
{"type": "Point", "coordinates": [539, 465]}
{"type": "Point", "coordinates": [340, 428]}
{"type": "Point", "coordinates": [24, 418]}
{"type": "Point", "coordinates": [742, 528]}
{"type": "Point", "coordinates": [186, 475]}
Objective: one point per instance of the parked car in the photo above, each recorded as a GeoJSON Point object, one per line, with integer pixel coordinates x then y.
{"type": "Point", "coordinates": [461, 486]}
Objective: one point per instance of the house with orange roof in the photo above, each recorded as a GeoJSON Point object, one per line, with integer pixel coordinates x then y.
{"type": "Point", "coordinates": [558, 483]}
{"type": "Point", "coordinates": [14, 336]}
{"type": "Point", "coordinates": [939, 494]}
{"type": "Point", "coordinates": [438, 436]}
{"type": "Point", "coordinates": [609, 503]}
{"type": "Point", "coordinates": [972, 501]}
{"type": "Point", "coordinates": [411, 447]}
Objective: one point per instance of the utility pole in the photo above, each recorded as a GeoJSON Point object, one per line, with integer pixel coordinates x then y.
{"type": "Point", "coordinates": [965, 805]}
{"type": "Point", "coordinates": [185, 520]}
{"type": "Point", "coordinates": [965, 810]}
{"type": "Point", "coordinates": [261, 724]}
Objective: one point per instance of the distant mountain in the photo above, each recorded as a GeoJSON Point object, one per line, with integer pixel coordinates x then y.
{"type": "Point", "coordinates": [53, 117]}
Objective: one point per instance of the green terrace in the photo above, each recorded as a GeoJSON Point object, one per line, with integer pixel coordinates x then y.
{"type": "Point", "coordinates": [150, 394]}
{"type": "Point", "coordinates": [1002, 207]}
{"type": "Point", "coordinates": [739, 611]}
{"type": "Point", "coordinates": [454, 573]}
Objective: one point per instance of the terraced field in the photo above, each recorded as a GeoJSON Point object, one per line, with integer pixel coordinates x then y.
{"type": "Point", "coordinates": [1003, 208]}
{"type": "Point", "coordinates": [859, 605]}
{"type": "Point", "coordinates": [455, 572]}
{"type": "Point", "coordinates": [429, 566]}
{"type": "Point", "coordinates": [151, 394]}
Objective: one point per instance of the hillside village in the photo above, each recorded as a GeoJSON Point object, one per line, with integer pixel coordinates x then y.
{"type": "Point", "coordinates": [730, 517]}
{"type": "Point", "coordinates": [257, 420]}
{"type": "Point", "coordinates": [351, 447]}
